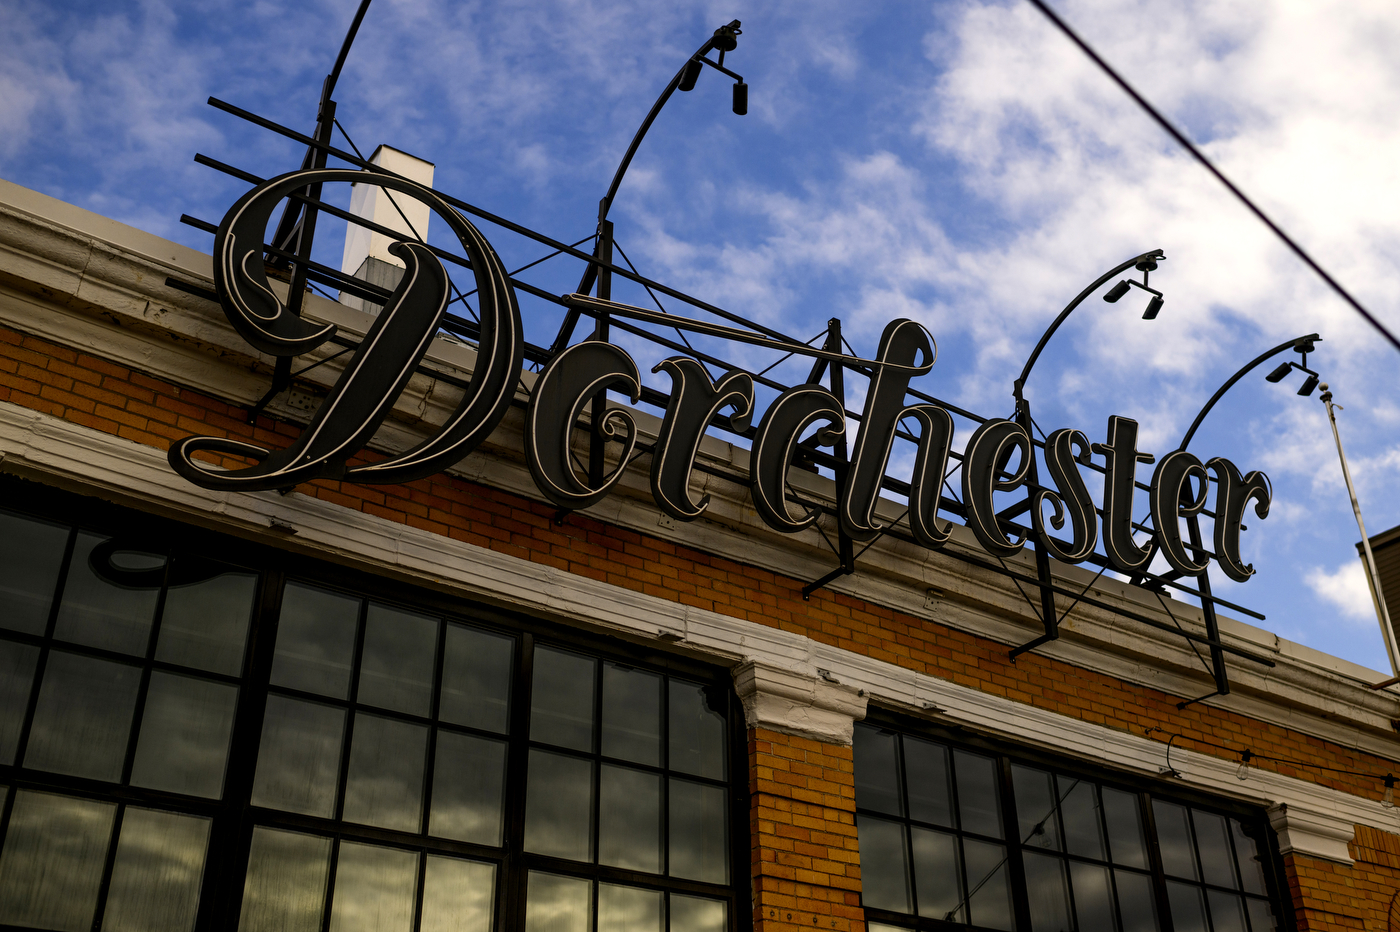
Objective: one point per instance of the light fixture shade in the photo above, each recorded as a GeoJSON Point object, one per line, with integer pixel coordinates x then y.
{"type": "Point", "coordinates": [690, 75]}
{"type": "Point", "coordinates": [1116, 292]}
{"type": "Point", "coordinates": [1154, 307]}
{"type": "Point", "coordinates": [1277, 375]}
{"type": "Point", "coordinates": [741, 98]}
{"type": "Point", "coordinates": [1308, 385]}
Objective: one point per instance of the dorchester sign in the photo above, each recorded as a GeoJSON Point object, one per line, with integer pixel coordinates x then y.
{"type": "Point", "coordinates": [400, 336]}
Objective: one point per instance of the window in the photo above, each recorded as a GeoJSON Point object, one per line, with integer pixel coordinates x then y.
{"type": "Point", "coordinates": [202, 735]}
{"type": "Point", "coordinates": [953, 837]}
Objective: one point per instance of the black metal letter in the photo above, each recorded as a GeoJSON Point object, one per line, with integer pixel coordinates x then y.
{"type": "Point", "coordinates": [1232, 496]}
{"type": "Point", "coordinates": [984, 464]}
{"type": "Point", "coordinates": [1171, 500]}
{"type": "Point", "coordinates": [784, 421]}
{"type": "Point", "coordinates": [1061, 461]}
{"type": "Point", "coordinates": [1119, 481]}
{"type": "Point", "coordinates": [564, 388]}
{"type": "Point", "coordinates": [695, 399]}
{"type": "Point", "coordinates": [900, 345]}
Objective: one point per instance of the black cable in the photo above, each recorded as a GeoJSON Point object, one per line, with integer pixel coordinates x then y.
{"type": "Point", "coordinates": [1253, 756]}
{"type": "Point", "coordinates": [1210, 167]}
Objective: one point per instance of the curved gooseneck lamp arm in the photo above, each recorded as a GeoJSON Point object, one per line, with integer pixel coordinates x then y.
{"type": "Point", "coordinates": [1144, 263]}
{"type": "Point", "coordinates": [1303, 344]}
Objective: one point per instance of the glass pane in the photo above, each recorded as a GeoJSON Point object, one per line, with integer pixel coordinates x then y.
{"type": "Point", "coordinates": [1188, 907]}
{"type": "Point", "coordinates": [699, 832]}
{"type": "Point", "coordinates": [1174, 839]}
{"type": "Point", "coordinates": [396, 668]}
{"type": "Point", "coordinates": [1137, 905]}
{"type": "Point", "coordinates": [83, 717]}
{"type": "Point", "coordinates": [558, 904]}
{"type": "Point", "coordinates": [927, 778]}
{"type": "Point", "coordinates": [51, 867]}
{"type": "Point", "coordinates": [988, 885]}
{"type": "Point", "coordinates": [561, 702]}
{"type": "Point", "coordinates": [1247, 854]}
{"type": "Point", "coordinates": [1261, 916]}
{"type": "Point", "coordinates": [469, 776]}
{"type": "Point", "coordinates": [285, 890]}
{"type": "Point", "coordinates": [631, 717]}
{"type": "Point", "coordinates": [315, 641]}
{"type": "Point", "coordinates": [877, 770]}
{"type": "Point", "coordinates": [16, 680]}
{"type": "Point", "coordinates": [158, 869]}
{"type": "Point", "coordinates": [937, 875]}
{"type": "Point", "coordinates": [698, 914]}
{"type": "Point", "coordinates": [629, 819]}
{"type": "Point", "coordinates": [185, 731]}
{"type": "Point", "coordinates": [100, 613]}
{"type": "Point", "coordinates": [374, 889]}
{"type": "Point", "coordinates": [299, 757]}
{"type": "Point", "coordinates": [1213, 843]}
{"type": "Point", "coordinates": [884, 865]}
{"type": "Point", "coordinates": [1035, 807]}
{"type": "Point", "coordinates": [696, 732]}
{"type": "Point", "coordinates": [1226, 911]}
{"type": "Point", "coordinates": [559, 806]}
{"type": "Point", "coordinates": [978, 802]}
{"type": "Point", "coordinates": [458, 896]}
{"type": "Point", "coordinates": [205, 623]}
{"type": "Point", "coordinates": [384, 786]}
{"type": "Point", "coordinates": [1123, 817]}
{"type": "Point", "coordinates": [1047, 891]}
{"type": "Point", "coordinates": [1093, 897]}
{"type": "Point", "coordinates": [31, 554]}
{"type": "Point", "coordinates": [1079, 814]}
{"type": "Point", "coordinates": [476, 679]}
{"type": "Point", "coordinates": [628, 909]}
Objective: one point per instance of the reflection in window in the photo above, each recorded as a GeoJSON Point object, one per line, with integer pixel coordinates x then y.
{"type": "Point", "coordinates": [315, 641]}
{"type": "Point", "coordinates": [51, 867]}
{"type": "Point", "coordinates": [204, 623]}
{"type": "Point", "coordinates": [17, 662]}
{"type": "Point", "coordinates": [101, 613]}
{"type": "Point", "coordinates": [157, 872]}
{"type": "Point", "coordinates": [299, 757]}
{"type": "Point", "coordinates": [185, 730]}
{"type": "Point", "coordinates": [562, 698]}
{"type": "Point", "coordinates": [285, 887]}
{"type": "Point", "coordinates": [83, 717]}
{"type": "Point", "coordinates": [31, 556]}
{"type": "Point", "coordinates": [468, 789]}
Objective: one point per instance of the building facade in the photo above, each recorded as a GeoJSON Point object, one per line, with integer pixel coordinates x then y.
{"type": "Point", "coordinates": [443, 705]}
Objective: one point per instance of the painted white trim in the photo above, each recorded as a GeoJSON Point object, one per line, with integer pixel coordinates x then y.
{"type": "Point", "coordinates": [798, 704]}
{"type": "Point", "coordinates": [1316, 819]}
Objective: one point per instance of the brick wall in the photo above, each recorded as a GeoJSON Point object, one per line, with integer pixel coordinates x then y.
{"type": "Point", "coordinates": [100, 395]}
{"type": "Point", "coordinates": [806, 866]}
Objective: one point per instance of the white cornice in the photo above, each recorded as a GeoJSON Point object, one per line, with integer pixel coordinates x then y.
{"type": "Point", "coordinates": [821, 688]}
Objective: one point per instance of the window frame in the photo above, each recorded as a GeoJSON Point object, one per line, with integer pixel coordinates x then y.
{"type": "Point", "coordinates": [234, 818]}
{"type": "Point", "coordinates": [1144, 789]}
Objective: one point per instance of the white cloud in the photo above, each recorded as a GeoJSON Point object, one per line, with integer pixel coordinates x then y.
{"type": "Point", "coordinates": [1344, 589]}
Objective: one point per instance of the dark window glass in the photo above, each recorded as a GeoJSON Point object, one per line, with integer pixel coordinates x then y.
{"type": "Point", "coordinates": [696, 732]}
{"type": "Point", "coordinates": [51, 866]}
{"type": "Point", "coordinates": [558, 904]}
{"type": "Point", "coordinates": [185, 729]}
{"type": "Point", "coordinates": [629, 818]}
{"type": "Point", "coordinates": [315, 641]}
{"type": "Point", "coordinates": [458, 895]}
{"type": "Point", "coordinates": [83, 718]}
{"type": "Point", "coordinates": [1080, 859]}
{"type": "Point", "coordinates": [631, 714]}
{"type": "Point", "coordinates": [699, 829]}
{"type": "Point", "coordinates": [877, 771]}
{"type": "Point", "coordinates": [205, 621]}
{"type": "Point", "coordinates": [299, 757]}
{"type": "Point", "coordinates": [157, 872]}
{"type": "Point", "coordinates": [16, 679]}
{"type": "Point", "coordinates": [31, 555]}
{"type": "Point", "coordinates": [476, 679]}
{"type": "Point", "coordinates": [468, 782]}
{"type": "Point", "coordinates": [396, 668]}
{"type": "Point", "coordinates": [384, 783]}
{"type": "Point", "coordinates": [979, 802]}
{"type": "Point", "coordinates": [374, 888]}
{"type": "Point", "coordinates": [285, 887]}
{"type": "Point", "coordinates": [100, 612]}
{"type": "Point", "coordinates": [561, 704]}
{"type": "Point", "coordinates": [559, 807]}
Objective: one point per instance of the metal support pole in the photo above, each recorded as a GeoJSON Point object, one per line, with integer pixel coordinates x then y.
{"type": "Point", "coordinates": [596, 443]}
{"type": "Point", "coordinates": [845, 545]}
{"type": "Point", "coordinates": [1373, 579]}
{"type": "Point", "coordinates": [1217, 656]}
{"type": "Point", "coordinates": [1049, 614]}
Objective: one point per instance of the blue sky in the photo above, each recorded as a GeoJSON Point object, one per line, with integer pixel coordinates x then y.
{"type": "Point", "coordinates": [958, 162]}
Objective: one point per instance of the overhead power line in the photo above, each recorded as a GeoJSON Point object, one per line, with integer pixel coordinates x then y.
{"type": "Point", "coordinates": [1180, 137]}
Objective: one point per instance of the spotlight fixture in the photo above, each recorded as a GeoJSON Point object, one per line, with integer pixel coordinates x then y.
{"type": "Point", "coordinates": [1303, 347]}
{"type": "Point", "coordinates": [690, 75]}
{"type": "Point", "coordinates": [1154, 306]}
{"type": "Point", "coordinates": [741, 98]}
{"type": "Point", "coordinates": [725, 39]}
{"type": "Point", "coordinates": [1117, 291]}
